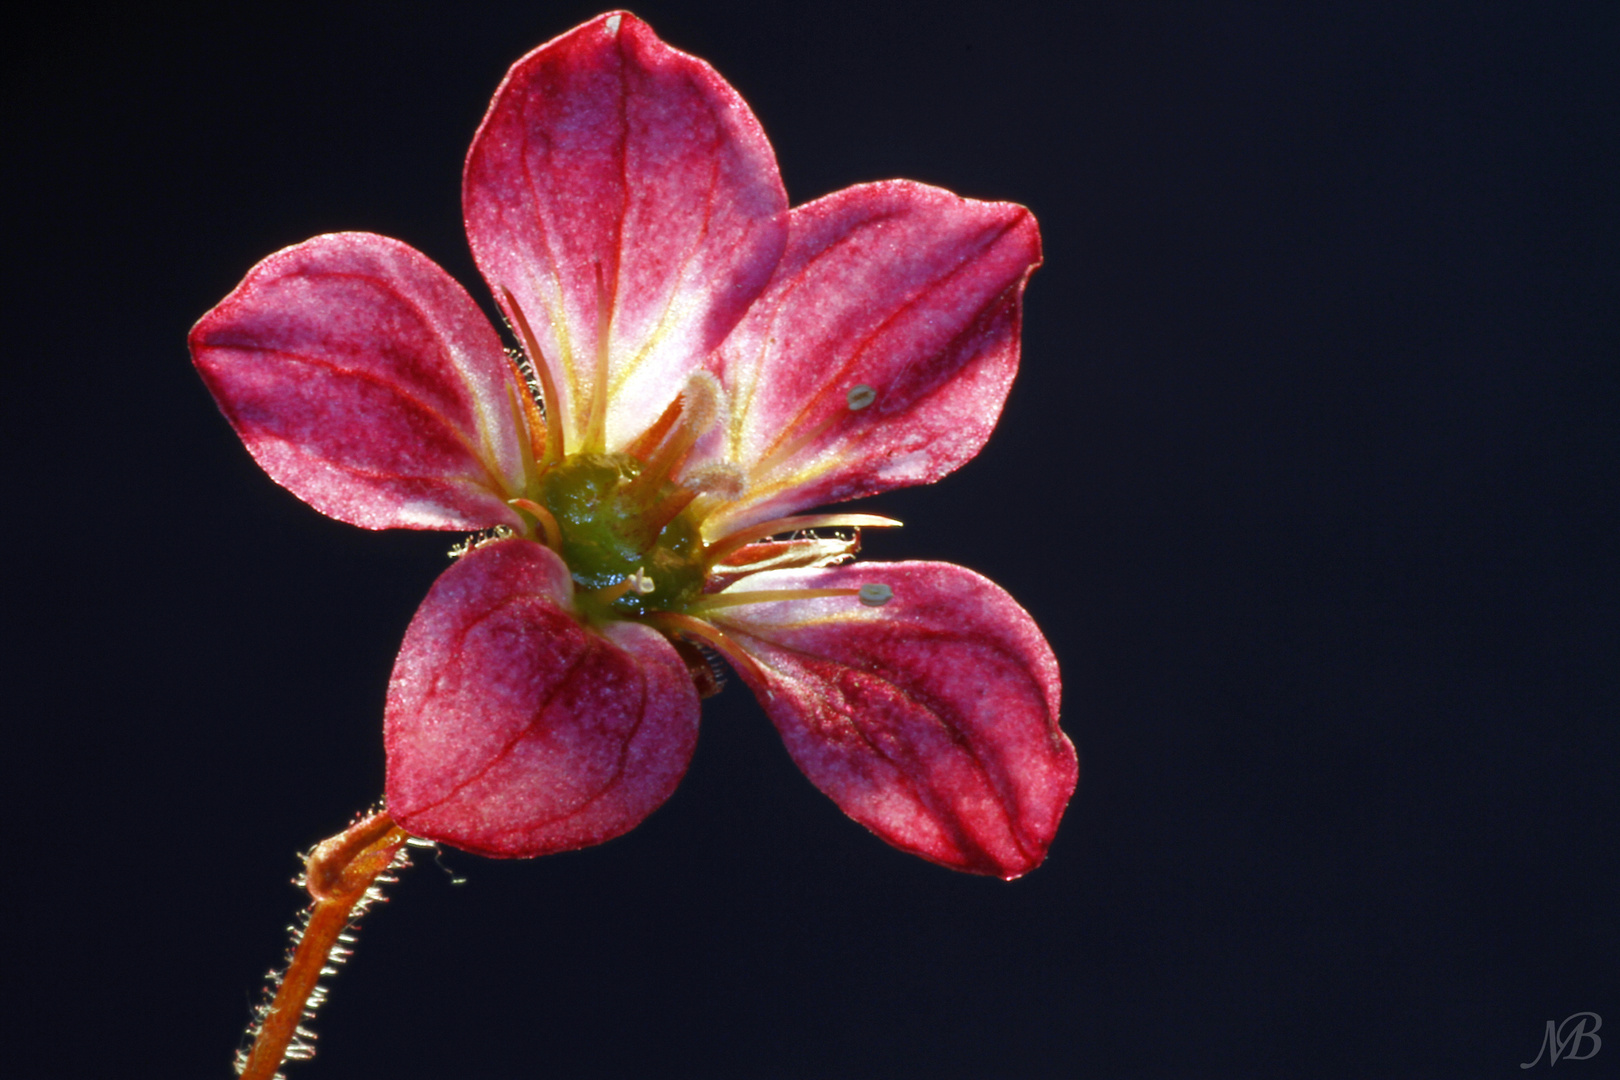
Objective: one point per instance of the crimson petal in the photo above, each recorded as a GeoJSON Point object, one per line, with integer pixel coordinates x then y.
{"type": "Point", "coordinates": [612, 169]}
{"type": "Point", "coordinates": [907, 290]}
{"type": "Point", "coordinates": [512, 730]}
{"type": "Point", "coordinates": [367, 382]}
{"type": "Point", "coordinates": [932, 720]}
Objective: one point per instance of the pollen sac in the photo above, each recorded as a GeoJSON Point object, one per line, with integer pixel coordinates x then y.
{"type": "Point", "coordinates": [610, 533]}
{"type": "Point", "coordinates": [875, 594]}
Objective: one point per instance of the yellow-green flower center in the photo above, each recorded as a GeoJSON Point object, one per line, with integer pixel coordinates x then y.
{"type": "Point", "coordinates": [615, 530]}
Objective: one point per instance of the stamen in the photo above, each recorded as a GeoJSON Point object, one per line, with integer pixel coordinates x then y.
{"type": "Point", "coordinates": [642, 449]}
{"type": "Point", "coordinates": [723, 480]}
{"type": "Point", "coordinates": [806, 554]}
{"type": "Point", "coordinates": [535, 421]}
{"type": "Point", "coordinates": [858, 398]}
{"type": "Point", "coordinates": [657, 471]}
{"type": "Point", "coordinates": [660, 514]}
{"type": "Point", "coordinates": [548, 524]}
{"type": "Point", "coordinates": [875, 594]}
{"type": "Point", "coordinates": [704, 398]}
{"type": "Point", "coordinates": [717, 552]}
{"type": "Point", "coordinates": [672, 623]}
{"type": "Point", "coordinates": [699, 401]}
{"type": "Point", "coordinates": [536, 438]}
{"type": "Point", "coordinates": [768, 596]}
{"type": "Point", "coordinates": [555, 450]}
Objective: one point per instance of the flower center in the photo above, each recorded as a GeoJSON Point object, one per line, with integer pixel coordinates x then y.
{"type": "Point", "coordinates": [630, 544]}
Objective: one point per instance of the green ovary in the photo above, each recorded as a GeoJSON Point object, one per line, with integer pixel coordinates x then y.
{"type": "Point", "coordinates": [608, 534]}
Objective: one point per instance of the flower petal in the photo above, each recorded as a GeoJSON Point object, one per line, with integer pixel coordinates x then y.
{"type": "Point", "coordinates": [367, 382]}
{"type": "Point", "coordinates": [932, 720]}
{"type": "Point", "coordinates": [905, 289]}
{"type": "Point", "coordinates": [514, 731]}
{"type": "Point", "coordinates": [611, 167]}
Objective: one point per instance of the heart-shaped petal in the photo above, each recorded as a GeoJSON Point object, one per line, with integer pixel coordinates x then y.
{"type": "Point", "coordinates": [881, 353]}
{"type": "Point", "coordinates": [629, 201]}
{"type": "Point", "coordinates": [931, 719]}
{"type": "Point", "coordinates": [513, 730]}
{"type": "Point", "coordinates": [366, 381]}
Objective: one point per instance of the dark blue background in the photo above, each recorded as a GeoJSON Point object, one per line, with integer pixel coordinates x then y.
{"type": "Point", "coordinates": [1310, 476]}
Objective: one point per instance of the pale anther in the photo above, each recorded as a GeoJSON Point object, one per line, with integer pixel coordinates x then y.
{"type": "Point", "coordinates": [860, 396]}
{"type": "Point", "coordinates": [704, 400]}
{"type": "Point", "coordinates": [875, 594]}
{"type": "Point", "coordinates": [722, 479]}
{"type": "Point", "coordinates": [640, 583]}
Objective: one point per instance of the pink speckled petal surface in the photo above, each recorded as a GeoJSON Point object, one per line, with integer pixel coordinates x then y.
{"type": "Point", "coordinates": [514, 731]}
{"type": "Point", "coordinates": [612, 165]}
{"type": "Point", "coordinates": [932, 720]}
{"type": "Point", "coordinates": [367, 382]}
{"type": "Point", "coordinates": [897, 286]}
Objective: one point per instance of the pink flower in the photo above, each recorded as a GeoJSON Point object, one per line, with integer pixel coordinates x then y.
{"type": "Point", "coordinates": [710, 364]}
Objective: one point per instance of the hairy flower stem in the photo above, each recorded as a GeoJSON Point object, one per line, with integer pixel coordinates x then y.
{"type": "Point", "coordinates": [340, 874]}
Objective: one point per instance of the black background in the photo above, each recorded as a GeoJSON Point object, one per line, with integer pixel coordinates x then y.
{"type": "Point", "coordinates": [1309, 475]}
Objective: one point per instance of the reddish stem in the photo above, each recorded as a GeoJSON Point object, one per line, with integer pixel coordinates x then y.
{"type": "Point", "coordinates": [338, 874]}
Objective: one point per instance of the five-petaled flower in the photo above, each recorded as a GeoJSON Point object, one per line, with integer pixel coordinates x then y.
{"type": "Point", "coordinates": [699, 363]}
